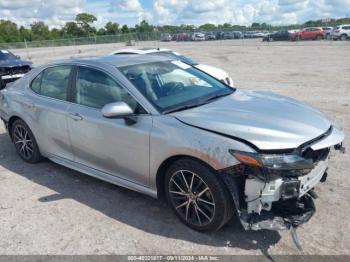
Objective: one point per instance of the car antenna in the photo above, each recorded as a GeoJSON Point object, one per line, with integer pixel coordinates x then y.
{"type": "Point", "coordinates": [293, 233]}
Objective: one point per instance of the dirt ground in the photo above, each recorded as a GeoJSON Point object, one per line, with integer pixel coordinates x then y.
{"type": "Point", "coordinates": [49, 209]}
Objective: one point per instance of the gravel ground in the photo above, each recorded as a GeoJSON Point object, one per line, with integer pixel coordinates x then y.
{"type": "Point", "coordinates": [49, 209]}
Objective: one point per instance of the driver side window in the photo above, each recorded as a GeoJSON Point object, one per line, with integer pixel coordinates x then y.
{"type": "Point", "coordinates": [96, 89]}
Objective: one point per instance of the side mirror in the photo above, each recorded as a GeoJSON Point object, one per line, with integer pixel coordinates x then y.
{"type": "Point", "coordinates": [119, 109]}
{"type": "Point", "coordinates": [18, 57]}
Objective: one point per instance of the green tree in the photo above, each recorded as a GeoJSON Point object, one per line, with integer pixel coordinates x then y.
{"type": "Point", "coordinates": [40, 31]}
{"type": "Point", "coordinates": [125, 29]}
{"type": "Point", "coordinates": [208, 27]}
{"type": "Point", "coordinates": [101, 31]}
{"type": "Point", "coordinates": [112, 28]}
{"type": "Point", "coordinates": [255, 25]}
{"type": "Point", "coordinates": [84, 20]}
{"type": "Point", "coordinates": [72, 29]}
{"type": "Point", "coordinates": [25, 34]}
{"type": "Point", "coordinates": [144, 26]}
{"type": "Point", "coordinates": [9, 31]}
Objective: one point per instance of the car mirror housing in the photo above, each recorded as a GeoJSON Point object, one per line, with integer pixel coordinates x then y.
{"type": "Point", "coordinates": [117, 109]}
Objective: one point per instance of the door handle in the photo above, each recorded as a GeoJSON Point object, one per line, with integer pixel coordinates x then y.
{"type": "Point", "coordinates": [76, 116]}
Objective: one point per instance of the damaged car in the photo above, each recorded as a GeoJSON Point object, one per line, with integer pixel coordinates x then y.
{"type": "Point", "coordinates": [12, 67]}
{"type": "Point", "coordinates": [166, 129]}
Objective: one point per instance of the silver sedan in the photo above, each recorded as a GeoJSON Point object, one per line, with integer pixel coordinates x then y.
{"type": "Point", "coordinates": [165, 128]}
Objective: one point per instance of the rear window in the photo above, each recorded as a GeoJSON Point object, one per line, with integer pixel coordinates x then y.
{"type": "Point", "coordinates": [52, 82]}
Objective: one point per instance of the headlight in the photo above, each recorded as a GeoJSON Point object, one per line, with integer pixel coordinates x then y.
{"type": "Point", "coordinates": [277, 162]}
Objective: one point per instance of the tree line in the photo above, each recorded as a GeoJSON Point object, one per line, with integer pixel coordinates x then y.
{"type": "Point", "coordinates": [82, 26]}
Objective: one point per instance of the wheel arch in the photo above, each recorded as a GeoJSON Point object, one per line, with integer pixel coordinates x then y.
{"type": "Point", "coordinates": [10, 122]}
{"type": "Point", "coordinates": [160, 175]}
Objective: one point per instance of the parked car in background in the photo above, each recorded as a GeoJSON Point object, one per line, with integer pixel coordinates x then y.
{"type": "Point", "coordinates": [213, 71]}
{"type": "Point", "coordinates": [341, 32]}
{"type": "Point", "coordinates": [167, 129]}
{"type": "Point", "coordinates": [277, 36]}
{"type": "Point", "coordinates": [165, 37]}
{"type": "Point", "coordinates": [228, 35]}
{"type": "Point", "coordinates": [248, 34]}
{"type": "Point", "coordinates": [220, 35]}
{"type": "Point", "coordinates": [12, 67]}
{"type": "Point", "coordinates": [210, 36]}
{"type": "Point", "coordinates": [237, 34]}
{"type": "Point", "coordinates": [260, 34]}
{"type": "Point", "coordinates": [182, 37]}
{"type": "Point", "coordinates": [255, 34]}
{"type": "Point", "coordinates": [327, 30]}
{"type": "Point", "coordinates": [198, 37]}
{"type": "Point", "coordinates": [309, 33]}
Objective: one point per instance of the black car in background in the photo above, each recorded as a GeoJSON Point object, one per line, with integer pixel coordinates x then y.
{"type": "Point", "coordinates": [12, 67]}
{"type": "Point", "coordinates": [277, 36]}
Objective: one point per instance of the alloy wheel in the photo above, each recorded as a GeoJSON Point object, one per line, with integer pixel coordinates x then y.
{"type": "Point", "coordinates": [192, 198]}
{"type": "Point", "coordinates": [23, 142]}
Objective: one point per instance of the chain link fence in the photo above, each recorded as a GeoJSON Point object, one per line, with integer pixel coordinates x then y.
{"type": "Point", "coordinates": [223, 34]}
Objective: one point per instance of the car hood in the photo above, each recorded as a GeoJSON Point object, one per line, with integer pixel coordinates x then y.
{"type": "Point", "coordinates": [14, 62]}
{"type": "Point", "coordinates": [266, 120]}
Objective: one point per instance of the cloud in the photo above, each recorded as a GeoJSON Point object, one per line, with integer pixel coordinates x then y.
{"type": "Point", "coordinates": [54, 13]}
{"type": "Point", "coordinates": [132, 8]}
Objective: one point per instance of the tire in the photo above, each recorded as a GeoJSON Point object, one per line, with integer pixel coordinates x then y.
{"type": "Point", "coordinates": [208, 206]}
{"type": "Point", "coordinates": [28, 150]}
{"type": "Point", "coordinates": [343, 37]}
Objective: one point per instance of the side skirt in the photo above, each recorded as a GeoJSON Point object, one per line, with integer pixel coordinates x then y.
{"type": "Point", "coordinates": [103, 176]}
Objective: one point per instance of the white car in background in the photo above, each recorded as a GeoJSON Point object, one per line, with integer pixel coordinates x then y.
{"type": "Point", "coordinates": [210, 70]}
{"type": "Point", "coordinates": [198, 37]}
{"type": "Point", "coordinates": [341, 32]}
{"type": "Point", "coordinates": [327, 31]}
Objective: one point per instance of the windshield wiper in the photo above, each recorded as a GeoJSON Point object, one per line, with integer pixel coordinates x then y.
{"type": "Point", "coordinates": [217, 96]}
{"type": "Point", "coordinates": [183, 107]}
{"type": "Point", "coordinates": [192, 105]}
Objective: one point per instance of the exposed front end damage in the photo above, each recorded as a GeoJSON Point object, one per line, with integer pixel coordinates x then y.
{"type": "Point", "coordinates": [275, 190]}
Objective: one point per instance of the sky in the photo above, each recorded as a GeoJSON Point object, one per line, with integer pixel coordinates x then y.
{"type": "Point", "coordinates": [159, 12]}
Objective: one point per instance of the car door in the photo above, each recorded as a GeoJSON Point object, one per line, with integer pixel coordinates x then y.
{"type": "Point", "coordinates": [109, 145]}
{"type": "Point", "coordinates": [47, 106]}
{"type": "Point", "coordinates": [305, 34]}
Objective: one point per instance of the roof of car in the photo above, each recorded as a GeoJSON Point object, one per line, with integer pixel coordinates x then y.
{"type": "Point", "coordinates": [115, 60]}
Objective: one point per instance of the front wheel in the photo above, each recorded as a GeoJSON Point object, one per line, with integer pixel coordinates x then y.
{"type": "Point", "coordinates": [343, 37]}
{"type": "Point", "coordinates": [25, 142]}
{"type": "Point", "coordinates": [197, 195]}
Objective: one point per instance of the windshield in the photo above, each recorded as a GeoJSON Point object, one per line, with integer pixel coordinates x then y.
{"type": "Point", "coordinates": [172, 85]}
{"type": "Point", "coordinates": [175, 56]}
{"type": "Point", "coordinates": [7, 55]}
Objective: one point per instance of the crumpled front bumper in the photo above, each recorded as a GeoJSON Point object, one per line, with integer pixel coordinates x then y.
{"type": "Point", "coordinates": [283, 215]}
{"type": "Point", "coordinates": [282, 202]}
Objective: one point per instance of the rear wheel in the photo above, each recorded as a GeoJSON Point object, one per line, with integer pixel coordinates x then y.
{"type": "Point", "coordinates": [343, 37]}
{"type": "Point", "coordinates": [25, 142]}
{"type": "Point", "coordinates": [197, 195]}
